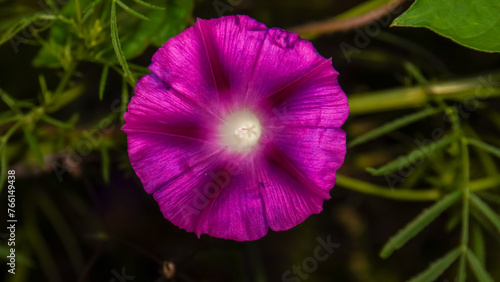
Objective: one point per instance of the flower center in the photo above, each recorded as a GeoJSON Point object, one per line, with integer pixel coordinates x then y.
{"type": "Point", "coordinates": [241, 131]}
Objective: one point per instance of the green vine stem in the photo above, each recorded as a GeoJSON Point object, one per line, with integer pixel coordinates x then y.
{"type": "Point", "coordinates": [432, 194]}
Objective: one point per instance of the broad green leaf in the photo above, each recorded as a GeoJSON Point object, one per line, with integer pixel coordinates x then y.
{"type": "Point", "coordinates": [488, 212]}
{"type": "Point", "coordinates": [162, 25]}
{"type": "Point", "coordinates": [417, 224]}
{"type": "Point", "coordinates": [477, 268]}
{"type": "Point", "coordinates": [475, 24]}
{"type": "Point", "coordinates": [437, 267]}
{"type": "Point", "coordinates": [414, 156]}
{"type": "Point", "coordinates": [393, 125]}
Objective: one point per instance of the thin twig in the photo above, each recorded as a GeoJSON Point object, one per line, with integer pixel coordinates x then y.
{"type": "Point", "coordinates": [334, 25]}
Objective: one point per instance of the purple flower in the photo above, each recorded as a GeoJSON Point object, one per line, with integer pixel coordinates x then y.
{"type": "Point", "coordinates": [237, 129]}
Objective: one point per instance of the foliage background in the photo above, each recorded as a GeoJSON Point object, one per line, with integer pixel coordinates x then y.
{"type": "Point", "coordinates": [67, 72]}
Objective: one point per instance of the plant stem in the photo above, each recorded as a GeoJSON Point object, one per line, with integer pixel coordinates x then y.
{"type": "Point", "coordinates": [465, 209]}
{"type": "Point", "coordinates": [418, 96]}
{"type": "Point", "coordinates": [65, 79]}
{"type": "Point", "coordinates": [400, 194]}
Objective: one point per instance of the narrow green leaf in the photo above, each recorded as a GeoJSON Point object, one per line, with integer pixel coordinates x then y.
{"type": "Point", "coordinates": [117, 47]}
{"type": "Point", "coordinates": [478, 243]}
{"type": "Point", "coordinates": [11, 102]}
{"type": "Point", "coordinates": [102, 84]}
{"type": "Point", "coordinates": [477, 268]}
{"type": "Point", "coordinates": [131, 11]}
{"type": "Point", "coordinates": [33, 144]}
{"type": "Point", "coordinates": [105, 163]}
{"type": "Point", "coordinates": [414, 156]}
{"type": "Point", "coordinates": [487, 147]}
{"type": "Point", "coordinates": [15, 28]}
{"type": "Point", "coordinates": [145, 4]}
{"type": "Point", "coordinates": [66, 97]}
{"type": "Point", "coordinates": [437, 267]}
{"type": "Point", "coordinates": [55, 122]}
{"type": "Point", "coordinates": [393, 125]}
{"type": "Point", "coordinates": [417, 224]}
{"type": "Point", "coordinates": [87, 11]}
{"type": "Point", "coordinates": [8, 116]}
{"type": "Point", "coordinates": [489, 213]}
{"type": "Point", "coordinates": [43, 86]}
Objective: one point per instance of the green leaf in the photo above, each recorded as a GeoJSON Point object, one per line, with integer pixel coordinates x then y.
{"type": "Point", "coordinates": [162, 25]}
{"type": "Point", "coordinates": [474, 24]}
{"type": "Point", "coordinates": [414, 156]}
{"type": "Point", "coordinates": [393, 125]}
{"type": "Point", "coordinates": [489, 213]}
{"type": "Point", "coordinates": [131, 11]}
{"type": "Point", "coordinates": [478, 243]}
{"type": "Point", "coordinates": [416, 225]}
{"type": "Point", "coordinates": [55, 122]}
{"type": "Point", "coordinates": [33, 144]}
{"type": "Point", "coordinates": [437, 267]}
{"type": "Point", "coordinates": [66, 97]}
{"type": "Point", "coordinates": [477, 268]}
{"type": "Point", "coordinates": [480, 144]}
{"type": "Point", "coordinates": [145, 4]}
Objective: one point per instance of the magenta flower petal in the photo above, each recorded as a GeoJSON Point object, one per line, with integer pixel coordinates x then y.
{"type": "Point", "coordinates": [237, 129]}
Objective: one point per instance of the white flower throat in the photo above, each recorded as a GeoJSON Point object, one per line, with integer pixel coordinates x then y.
{"type": "Point", "coordinates": [241, 131]}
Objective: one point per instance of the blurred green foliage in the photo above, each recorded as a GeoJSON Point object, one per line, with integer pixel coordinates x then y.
{"type": "Point", "coordinates": [418, 132]}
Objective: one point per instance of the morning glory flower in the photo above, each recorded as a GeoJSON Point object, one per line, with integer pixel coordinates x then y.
{"type": "Point", "coordinates": [237, 129]}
